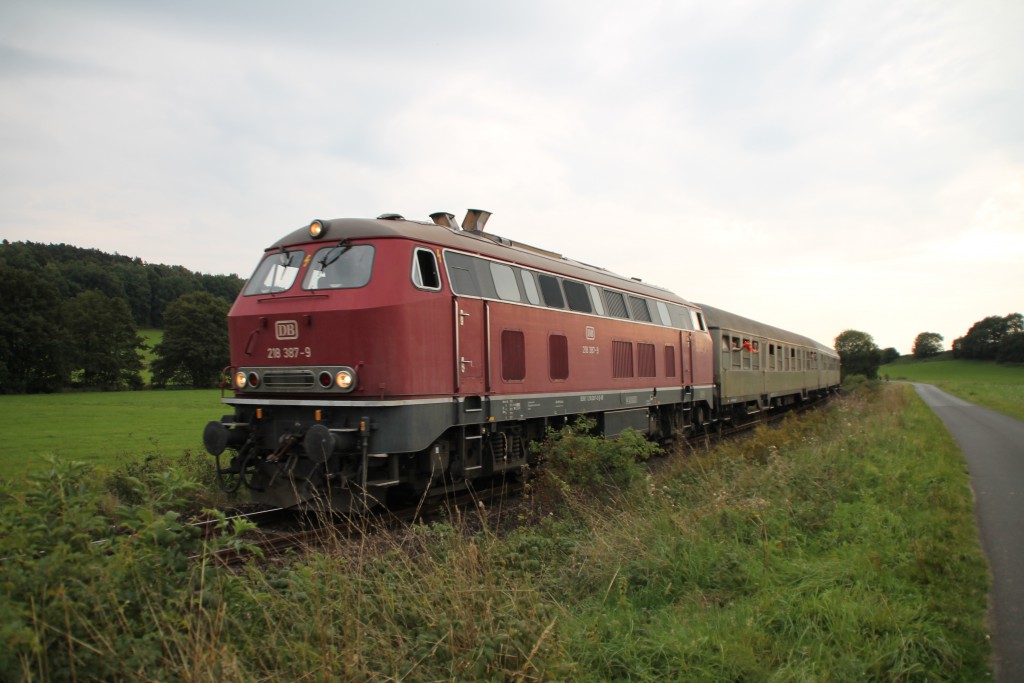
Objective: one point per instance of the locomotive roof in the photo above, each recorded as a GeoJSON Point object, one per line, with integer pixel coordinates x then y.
{"type": "Point", "coordinates": [724, 320]}
{"type": "Point", "coordinates": [474, 241]}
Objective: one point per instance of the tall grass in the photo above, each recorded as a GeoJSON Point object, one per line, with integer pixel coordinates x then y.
{"type": "Point", "coordinates": [995, 386]}
{"type": "Point", "coordinates": [840, 546]}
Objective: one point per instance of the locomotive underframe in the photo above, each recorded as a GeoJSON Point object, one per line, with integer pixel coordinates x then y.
{"type": "Point", "coordinates": [350, 455]}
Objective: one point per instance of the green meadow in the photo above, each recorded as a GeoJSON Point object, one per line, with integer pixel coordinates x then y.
{"type": "Point", "coordinates": [999, 387]}
{"type": "Point", "coordinates": [103, 428]}
{"type": "Point", "coordinates": [151, 339]}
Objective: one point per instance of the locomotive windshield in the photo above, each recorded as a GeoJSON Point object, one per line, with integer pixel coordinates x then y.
{"type": "Point", "coordinates": [343, 266]}
{"type": "Point", "coordinates": [276, 273]}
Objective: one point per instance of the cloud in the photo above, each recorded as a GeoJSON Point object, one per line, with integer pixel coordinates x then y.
{"type": "Point", "coordinates": [820, 165]}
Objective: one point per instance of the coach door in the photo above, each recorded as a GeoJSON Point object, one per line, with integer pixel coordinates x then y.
{"type": "Point", "coordinates": [470, 346]}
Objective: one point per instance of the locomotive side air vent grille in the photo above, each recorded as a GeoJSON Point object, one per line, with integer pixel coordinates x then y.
{"type": "Point", "coordinates": [288, 379]}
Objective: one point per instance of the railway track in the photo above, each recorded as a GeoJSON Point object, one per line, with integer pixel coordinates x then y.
{"type": "Point", "coordinates": [271, 540]}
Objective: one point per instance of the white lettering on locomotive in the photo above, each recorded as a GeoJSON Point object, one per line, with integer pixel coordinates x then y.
{"type": "Point", "coordinates": [286, 329]}
{"type": "Point", "coordinates": [275, 352]}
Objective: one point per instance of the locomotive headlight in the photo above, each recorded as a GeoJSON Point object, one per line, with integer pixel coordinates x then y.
{"type": "Point", "coordinates": [317, 229]}
{"type": "Point", "coordinates": [253, 379]}
{"type": "Point", "coordinates": [345, 379]}
{"type": "Point", "coordinates": [239, 380]}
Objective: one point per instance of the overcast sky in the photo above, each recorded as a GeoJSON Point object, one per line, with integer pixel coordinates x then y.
{"type": "Point", "coordinates": [813, 164]}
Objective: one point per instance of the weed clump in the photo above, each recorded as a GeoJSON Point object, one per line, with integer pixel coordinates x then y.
{"type": "Point", "coordinates": [89, 584]}
{"type": "Point", "coordinates": [578, 464]}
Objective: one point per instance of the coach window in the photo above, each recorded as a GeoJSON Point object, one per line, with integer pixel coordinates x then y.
{"type": "Point", "coordinates": [616, 304]}
{"type": "Point", "coordinates": [276, 273]}
{"type": "Point", "coordinates": [424, 270]}
{"type": "Point", "coordinates": [576, 295]}
{"type": "Point", "coordinates": [639, 309]}
{"type": "Point", "coordinates": [505, 282]}
{"type": "Point", "coordinates": [792, 360]}
{"type": "Point", "coordinates": [342, 266]}
{"type": "Point", "coordinates": [530, 287]}
{"type": "Point", "coordinates": [558, 357]}
{"type": "Point", "coordinates": [513, 355]}
{"type": "Point", "coordinates": [595, 297]}
{"type": "Point", "coordinates": [771, 356]}
{"type": "Point", "coordinates": [737, 351]}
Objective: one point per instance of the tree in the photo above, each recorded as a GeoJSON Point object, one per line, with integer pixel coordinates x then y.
{"type": "Point", "coordinates": [102, 341]}
{"type": "Point", "coordinates": [889, 355]}
{"type": "Point", "coordinates": [1011, 350]}
{"type": "Point", "coordinates": [858, 353]}
{"type": "Point", "coordinates": [983, 339]}
{"type": "Point", "coordinates": [927, 344]}
{"type": "Point", "coordinates": [32, 337]}
{"type": "Point", "coordinates": [195, 346]}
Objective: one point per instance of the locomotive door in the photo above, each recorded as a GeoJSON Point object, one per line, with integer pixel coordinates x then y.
{"type": "Point", "coordinates": [687, 347]}
{"type": "Point", "coordinates": [470, 346]}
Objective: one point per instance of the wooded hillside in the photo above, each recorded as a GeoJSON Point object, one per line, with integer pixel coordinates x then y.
{"type": "Point", "coordinates": [69, 316]}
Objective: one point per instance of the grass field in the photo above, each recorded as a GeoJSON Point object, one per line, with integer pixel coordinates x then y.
{"type": "Point", "coordinates": [152, 338]}
{"type": "Point", "coordinates": [839, 546]}
{"type": "Point", "coordinates": [999, 387]}
{"type": "Point", "coordinates": [103, 428]}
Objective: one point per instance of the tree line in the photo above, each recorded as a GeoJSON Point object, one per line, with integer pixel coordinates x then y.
{"type": "Point", "coordinates": [69, 317]}
{"type": "Point", "coordinates": [998, 338]}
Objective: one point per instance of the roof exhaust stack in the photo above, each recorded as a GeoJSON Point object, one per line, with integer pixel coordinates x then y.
{"type": "Point", "coordinates": [475, 220]}
{"type": "Point", "coordinates": [445, 219]}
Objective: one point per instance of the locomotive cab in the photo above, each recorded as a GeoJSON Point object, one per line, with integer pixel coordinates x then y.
{"type": "Point", "coordinates": [342, 328]}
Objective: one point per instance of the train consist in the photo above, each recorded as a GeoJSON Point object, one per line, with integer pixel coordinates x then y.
{"type": "Point", "coordinates": [374, 358]}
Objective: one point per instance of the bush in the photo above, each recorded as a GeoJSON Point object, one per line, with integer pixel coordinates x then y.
{"type": "Point", "coordinates": [574, 460]}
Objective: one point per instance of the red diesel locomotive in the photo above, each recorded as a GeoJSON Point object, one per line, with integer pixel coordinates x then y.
{"type": "Point", "coordinates": [386, 356]}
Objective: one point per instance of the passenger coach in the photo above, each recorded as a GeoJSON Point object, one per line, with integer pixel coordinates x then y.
{"type": "Point", "coordinates": [759, 367]}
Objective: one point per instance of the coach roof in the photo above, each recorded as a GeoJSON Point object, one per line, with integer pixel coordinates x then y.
{"type": "Point", "coordinates": [724, 320]}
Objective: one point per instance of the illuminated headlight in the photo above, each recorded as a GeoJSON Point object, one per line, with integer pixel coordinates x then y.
{"type": "Point", "coordinates": [239, 380]}
{"type": "Point", "coordinates": [317, 229]}
{"type": "Point", "coordinates": [345, 379]}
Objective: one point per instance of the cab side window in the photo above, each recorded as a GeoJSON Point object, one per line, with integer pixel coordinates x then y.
{"type": "Point", "coordinates": [425, 274]}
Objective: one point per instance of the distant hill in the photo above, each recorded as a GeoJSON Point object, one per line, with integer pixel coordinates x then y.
{"type": "Point", "coordinates": [147, 287]}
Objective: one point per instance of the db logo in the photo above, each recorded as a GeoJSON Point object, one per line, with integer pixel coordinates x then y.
{"type": "Point", "coordinates": [591, 335]}
{"type": "Point", "coordinates": [286, 329]}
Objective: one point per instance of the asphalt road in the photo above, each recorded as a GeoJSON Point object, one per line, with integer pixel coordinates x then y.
{"type": "Point", "coordinates": [993, 445]}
